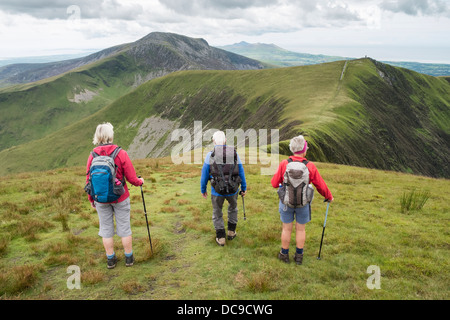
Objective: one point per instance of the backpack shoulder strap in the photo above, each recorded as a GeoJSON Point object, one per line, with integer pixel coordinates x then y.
{"type": "Point", "coordinates": [305, 162]}
{"type": "Point", "coordinates": [94, 154]}
{"type": "Point", "coordinates": [115, 152]}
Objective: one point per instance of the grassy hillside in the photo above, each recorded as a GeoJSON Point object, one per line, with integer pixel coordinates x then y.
{"type": "Point", "coordinates": [398, 119]}
{"type": "Point", "coordinates": [221, 99]}
{"type": "Point", "coordinates": [48, 225]}
{"type": "Point", "coordinates": [32, 111]}
{"type": "Point", "coordinates": [359, 112]}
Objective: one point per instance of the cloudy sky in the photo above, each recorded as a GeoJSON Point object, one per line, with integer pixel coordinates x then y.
{"type": "Point", "coordinates": [396, 30]}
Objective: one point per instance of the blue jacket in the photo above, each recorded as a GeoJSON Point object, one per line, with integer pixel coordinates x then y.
{"type": "Point", "coordinates": [206, 176]}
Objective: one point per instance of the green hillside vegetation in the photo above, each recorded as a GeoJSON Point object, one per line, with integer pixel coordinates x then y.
{"type": "Point", "coordinates": [398, 120]}
{"type": "Point", "coordinates": [359, 112]}
{"type": "Point", "coordinates": [189, 95]}
{"type": "Point", "coordinates": [48, 225]}
{"type": "Point", "coordinates": [32, 111]}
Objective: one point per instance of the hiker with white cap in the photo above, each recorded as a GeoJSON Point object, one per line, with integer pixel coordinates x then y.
{"type": "Point", "coordinates": [224, 169]}
{"type": "Point", "coordinates": [293, 177]}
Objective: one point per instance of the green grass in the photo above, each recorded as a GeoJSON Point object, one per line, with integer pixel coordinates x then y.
{"type": "Point", "coordinates": [35, 110]}
{"type": "Point", "coordinates": [365, 227]}
{"type": "Point", "coordinates": [413, 200]}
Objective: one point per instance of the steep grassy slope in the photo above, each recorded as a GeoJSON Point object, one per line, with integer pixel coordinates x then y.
{"type": "Point", "coordinates": [39, 109]}
{"type": "Point", "coordinates": [220, 99]}
{"type": "Point", "coordinates": [48, 225]}
{"type": "Point", "coordinates": [399, 120]}
{"type": "Point", "coordinates": [359, 112]}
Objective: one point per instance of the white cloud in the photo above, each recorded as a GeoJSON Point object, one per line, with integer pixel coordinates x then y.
{"type": "Point", "coordinates": [418, 7]}
{"type": "Point", "coordinates": [56, 9]}
{"type": "Point", "coordinates": [28, 27]}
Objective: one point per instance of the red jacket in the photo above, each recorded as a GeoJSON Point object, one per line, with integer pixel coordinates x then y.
{"type": "Point", "coordinates": [314, 177]}
{"type": "Point", "coordinates": [124, 167]}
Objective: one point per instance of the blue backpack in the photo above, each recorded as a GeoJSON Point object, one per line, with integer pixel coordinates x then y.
{"type": "Point", "coordinates": [103, 185]}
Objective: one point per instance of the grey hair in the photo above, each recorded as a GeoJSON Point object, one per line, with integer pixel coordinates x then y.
{"type": "Point", "coordinates": [103, 134]}
{"type": "Point", "coordinates": [297, 144]}
{"type": "Point", "coordinates": [219, 138]}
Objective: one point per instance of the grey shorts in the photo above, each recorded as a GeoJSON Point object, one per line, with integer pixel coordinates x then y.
{"type": "Point", "coordinates": [106, 214]}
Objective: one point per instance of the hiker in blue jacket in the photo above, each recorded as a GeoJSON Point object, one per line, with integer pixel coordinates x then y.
{"type": "Point", "coordinates": [224, 168]}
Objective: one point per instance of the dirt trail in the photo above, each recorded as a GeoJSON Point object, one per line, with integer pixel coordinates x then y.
{"type": "Point", "coordinates": [343, 70]}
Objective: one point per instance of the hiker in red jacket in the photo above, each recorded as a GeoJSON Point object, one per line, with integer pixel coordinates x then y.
{"type": "Point", "coordinates": [120, 209]}
{"type": "Point", "coordinates": [298, 147]}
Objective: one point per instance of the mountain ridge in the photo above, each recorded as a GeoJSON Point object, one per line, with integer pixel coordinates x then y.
{"type": "Point", "coordinates": [359, 112]}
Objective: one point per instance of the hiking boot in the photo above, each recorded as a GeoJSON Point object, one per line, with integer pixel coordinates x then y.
{"type": "Point", "coordinates": [220, 241]}
{"type": "Point", "coordinates": [129, 261]}
{"type": "Point", "coordinates": [283, 257]}
{"type": "Point", "coordinates": [220, 237]}
{"type": "Point", "coordinates": [231, 235]}
{"type": "Point", "coordinates": [111, 264]}
{"type": "Point", "coordinates": [298, 258]}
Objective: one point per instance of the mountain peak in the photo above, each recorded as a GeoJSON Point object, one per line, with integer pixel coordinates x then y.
{"type": "Point", "coordinates": [168, 36]}
{"type": "Point", "coordinates": [179, 52]}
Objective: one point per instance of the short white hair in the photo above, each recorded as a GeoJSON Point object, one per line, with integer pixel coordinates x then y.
{"type": "Point", "coordinates": [219, 138]}
{"type": "Point", "coordinates": [103, 134]}
{"type": "Point", "coordinates": [297, 144]}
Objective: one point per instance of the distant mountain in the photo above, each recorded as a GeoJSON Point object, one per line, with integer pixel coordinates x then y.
{"type": "Point", "coordinates": [190, 54]}
{"type": "Point", "coordinates": [44, 59]}
{"type": "Point", "coordinates": [276, 56]}
{"type": "Point", "coordinates": [432, 69]}
{"type": "Point", "coordinates": [65, 95]}
{"type": "Point", "coordinates": [359, 112]}
{"type": "Point", "coordinates": [279, 57]}
{"type": "Point", "coordinates": [20, 73]}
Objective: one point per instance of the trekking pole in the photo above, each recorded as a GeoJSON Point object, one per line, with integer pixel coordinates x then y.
{"type": "Point", "coordinates": [323, 231]}
{"type": "Point", "coordinates": [243, 205]}
{"type": "Point", "coordinates": [146, 219]}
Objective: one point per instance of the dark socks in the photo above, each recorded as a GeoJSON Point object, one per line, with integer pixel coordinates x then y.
{"type": "Point", "coordinates": [286, 251]}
